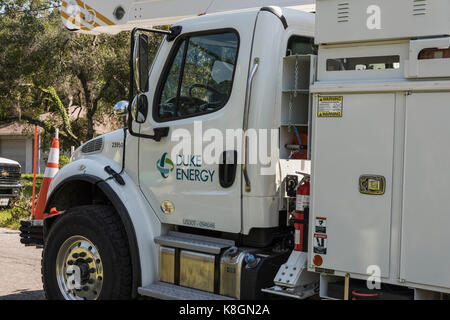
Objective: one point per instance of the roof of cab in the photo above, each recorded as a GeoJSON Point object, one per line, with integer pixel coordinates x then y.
{"type": "Point", "coordinates": [294, 18]}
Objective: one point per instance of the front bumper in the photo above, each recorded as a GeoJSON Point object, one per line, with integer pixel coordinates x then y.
{"type": "Point", "coordinates": [10, 191]}
{"type": "Point", "coordinates": [32, 232]}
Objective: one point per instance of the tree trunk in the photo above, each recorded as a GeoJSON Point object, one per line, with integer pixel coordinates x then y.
{"type": "Point", "coordinates": [90, 106]}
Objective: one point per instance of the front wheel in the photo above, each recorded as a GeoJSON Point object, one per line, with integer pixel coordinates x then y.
{"type": "Point", "coordinates": [86, 256]}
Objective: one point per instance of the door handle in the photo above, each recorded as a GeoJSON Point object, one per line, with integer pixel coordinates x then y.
{"type": "Point", "coordinates": [227, 168]}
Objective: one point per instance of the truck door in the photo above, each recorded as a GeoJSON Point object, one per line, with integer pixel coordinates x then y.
{"type": "Point", "coordinates": [425, 219]}
{"type": "Point", "coordinates": [197, 88]}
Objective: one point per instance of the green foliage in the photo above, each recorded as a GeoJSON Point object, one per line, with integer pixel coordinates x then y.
{"type": "Point", "coordinates": [46, 69]}
{"type": "Point", "coordinates": [63, 160]}
{"type": "Point", "coordinates": [73, 78]}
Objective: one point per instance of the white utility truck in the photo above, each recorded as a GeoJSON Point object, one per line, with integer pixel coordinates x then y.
{"type": "Point", "coordinates": [361, 112]}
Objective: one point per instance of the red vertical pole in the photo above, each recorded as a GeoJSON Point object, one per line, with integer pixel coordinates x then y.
{"type": "Point", "coordinates": [34, 171]}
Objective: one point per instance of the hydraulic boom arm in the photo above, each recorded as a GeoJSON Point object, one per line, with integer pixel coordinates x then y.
{"type": "Point", "coordinates": [113, 16]}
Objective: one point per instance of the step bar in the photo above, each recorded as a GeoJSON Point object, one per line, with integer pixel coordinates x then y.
{"type": "Point", "coordinates": [167, 291]}
{"type": "Point", "coordinates": [194, 242]}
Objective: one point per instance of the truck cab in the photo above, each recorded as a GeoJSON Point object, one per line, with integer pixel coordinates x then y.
{"type": "Point", "coordinates": [199, 90]}
{"type": "Point", "coordinates": [204, 212]}
{"type": "Point", "coordinates": [239, 119]}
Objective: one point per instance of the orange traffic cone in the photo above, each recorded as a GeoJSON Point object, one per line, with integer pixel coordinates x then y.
{"type": "Point", "coordinates": [50, 171]}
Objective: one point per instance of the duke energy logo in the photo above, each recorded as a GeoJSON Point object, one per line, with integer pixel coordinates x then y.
{"type": "Point", "coordinates": [165, 166]}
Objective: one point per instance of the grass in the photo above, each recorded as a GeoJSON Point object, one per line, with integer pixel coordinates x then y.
{"type": "Point", "coordinates": [10, 217]}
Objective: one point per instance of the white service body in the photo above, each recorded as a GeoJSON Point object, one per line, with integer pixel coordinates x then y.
{"type": "Point", "coordinates": [393, 124]}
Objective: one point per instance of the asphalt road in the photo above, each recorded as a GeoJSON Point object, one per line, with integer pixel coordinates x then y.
{"type": "Point", "coordinates": [20, 269]}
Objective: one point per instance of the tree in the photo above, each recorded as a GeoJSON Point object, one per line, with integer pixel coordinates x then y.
{"type": "Point", "coordinates": [47, 69]}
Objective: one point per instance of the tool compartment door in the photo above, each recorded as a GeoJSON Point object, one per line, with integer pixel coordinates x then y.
{"type": "Point", "coordinates": [345, 148]}
{"type": "Point", "coordinates": [425, 254]}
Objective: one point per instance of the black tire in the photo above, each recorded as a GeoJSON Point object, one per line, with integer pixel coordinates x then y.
{"type": "Point", "coordinates": [102, 226]}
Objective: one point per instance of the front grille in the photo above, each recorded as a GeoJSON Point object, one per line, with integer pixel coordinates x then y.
{"type": "Point", "coordinates": [9, 175]}
{"type": "Point", "coordinates": [6, 192]}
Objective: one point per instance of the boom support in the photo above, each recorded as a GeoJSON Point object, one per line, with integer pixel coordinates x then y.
{"type": "Point", "coordinates": [113, 16]}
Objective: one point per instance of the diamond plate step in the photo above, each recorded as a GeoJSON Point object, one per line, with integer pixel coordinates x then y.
{"type": "Point", "coordinates": [167, 291]}
{"type": "Point", "coordinates": [194, 242]}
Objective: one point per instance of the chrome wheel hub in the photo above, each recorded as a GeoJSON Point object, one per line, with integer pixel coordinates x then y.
{"type": "Point", "coordinates": [79, 269]}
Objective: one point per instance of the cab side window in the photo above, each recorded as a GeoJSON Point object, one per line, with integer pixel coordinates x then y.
{"type": "Point", "coordinates": [298, 45]}
{"type": "Point", "coordinates": [200, 76]}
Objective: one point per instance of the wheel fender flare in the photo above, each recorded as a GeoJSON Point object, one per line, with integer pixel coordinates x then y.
{"type": "Point", "coordinates": [120, 209]}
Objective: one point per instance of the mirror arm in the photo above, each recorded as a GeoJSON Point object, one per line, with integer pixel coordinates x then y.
{"type": "Point", "coordinates": [132, 47]}
{"type": "Point", "coordinates": [172, 33]}
{"type": "Point", "coordinates": [160, 133]}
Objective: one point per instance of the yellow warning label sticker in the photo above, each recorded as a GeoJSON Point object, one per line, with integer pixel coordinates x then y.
{"type": "Point", "coordinates": [330, 107]}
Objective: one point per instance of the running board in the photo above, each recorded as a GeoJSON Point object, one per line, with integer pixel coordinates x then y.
{"type": "Point", "coordinates": [167, 291]}
{"type": "Point", "coordinates": [193, 242]}
{"type": "Point", "coordinates": [294, 293]}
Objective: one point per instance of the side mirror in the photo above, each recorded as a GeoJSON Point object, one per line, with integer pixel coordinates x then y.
{"type": "Point", "coordinates": [139, 108]}
{"type": "Point", "coordinates": [121, 108]}
{"type": "Point", "coordinates": [140, 62]}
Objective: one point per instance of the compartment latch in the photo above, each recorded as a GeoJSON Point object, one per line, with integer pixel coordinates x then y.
{"type": "Point", "coordinates": [371, 184]}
